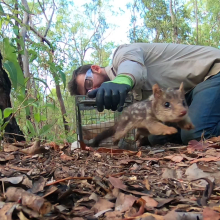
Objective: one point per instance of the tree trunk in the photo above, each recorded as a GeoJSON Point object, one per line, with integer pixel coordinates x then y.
{"type": "Point", "coordinates": [63, 110]}
{"type": "Point", "coordinates": [174, 24]}
{"type": "Point", "coordinates": [12, 130]}
{"type": "Point", "coordinates": [197, 22]}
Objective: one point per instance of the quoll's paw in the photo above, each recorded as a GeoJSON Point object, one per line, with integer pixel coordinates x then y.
{"type": "Point", "coordinates": [188, 126]}
{"type": "Point", "coordinates": [170, 130]}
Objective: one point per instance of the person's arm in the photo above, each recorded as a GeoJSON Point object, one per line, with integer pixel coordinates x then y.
{"type": "Point", "coordinates": [112, 94]}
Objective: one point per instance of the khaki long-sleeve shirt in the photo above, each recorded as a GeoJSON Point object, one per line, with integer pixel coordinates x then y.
{"type": "Point", "coordinates": [165, 64]}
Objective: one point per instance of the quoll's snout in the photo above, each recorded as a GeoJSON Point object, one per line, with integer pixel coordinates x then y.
{"type": "Point", "coordinates": [182, 113]}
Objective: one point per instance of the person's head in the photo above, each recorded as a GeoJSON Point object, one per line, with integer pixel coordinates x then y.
{"type": "Point", "coordinates": [85, 78]}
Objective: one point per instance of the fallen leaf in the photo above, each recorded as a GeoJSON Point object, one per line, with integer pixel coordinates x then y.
{"type": "Point", "coordinates": [124, 202]}
{"type": "Point", "coordinates": [206, 159]}
{"type": "Point", "coordinates": [214, 139]}
{"type": "Point", "coordinates": [162, 201]}
{"type": "Point", "coordinates": [34, 149]}
{"type": "Point", "coordinates": [65, 157]}
{"type": "Point", "coordinates": [28, 199]}
{"type": "Point", "coordinates": [193, 172]}
{"type": "Point", "coordinates": [117, 183]}
{"type": "Point", "coordinates": [13, 180]}
{"type": "Point", "coordinates": [7, 211]}
{"type": "Point", "coordinates": [54, 146]}
{"type": "Point", "coordinates": [102, 204]}
{"type": "Point", "coordinates": [209, 214]}
{"type": "Point", "coordinates": [127, 161]}
{"type": "Point", "coordinates": [173, 174]}
{"type": "Point", "coordinates": [146, 183]}
{"type": "Point", "coordinates": [10, 148]}
{"type": "Point", "coordinates": [116, 215]}
{"type": "Point", "coordinates": [138, 154]}
{"type": "Point", "coordinates": [22, 216]}
{"type": "Point", "coordinates": [39, 185]}
{"type": "Point", "coordinates": [174, 158]}
{"type": "Point", "coordinates": [150, 202]}
{"type": "Point", "coordinates": [172, 215]}
{"type": "Point", "coordinates": [194, 145]}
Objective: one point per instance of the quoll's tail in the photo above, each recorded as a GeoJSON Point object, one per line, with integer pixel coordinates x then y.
{"type": "Point", "coordinates": [103, 135]}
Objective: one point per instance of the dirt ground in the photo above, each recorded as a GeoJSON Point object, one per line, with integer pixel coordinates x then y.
{"type": "Point", "coordinates": [50, 181]}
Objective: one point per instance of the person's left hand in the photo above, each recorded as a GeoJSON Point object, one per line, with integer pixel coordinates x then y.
{"type": "Point", "coordinates": [110, 95]}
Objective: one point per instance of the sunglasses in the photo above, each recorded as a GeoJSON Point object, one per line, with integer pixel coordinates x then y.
{"type": "Point", "coordinates": [88, 83]}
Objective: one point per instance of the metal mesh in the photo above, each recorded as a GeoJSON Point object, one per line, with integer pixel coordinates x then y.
{"type": "Point", "coordinates": [90, 122]}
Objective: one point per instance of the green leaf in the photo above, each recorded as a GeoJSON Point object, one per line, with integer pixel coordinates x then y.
{"type": "Point", "coordinates": [63, 77]}
{"type": "Point", "coordinates": [30, 127]}
{"type": "Point", "coordinates": [27, 10]}
{"type": "Point", "coordinates": [32, 55]}
{"type": "Point", "coordinates": [7, 112]}
{"type": "Point", "coordinates": [50, 105]}
{"type": "Point", "coordinates": [10, 67]}
{"type": "Point", "coordinates": [45, 129]}
{"type": "Point", "coordinates": [9, 53]}
{"type": "Point", "coordinates": [42, 82]}
{"type": "Point", "coordinates": [1, 115]}
{"type": "Point", "coordinates": [16, 30]}
{"type": "Point", "coordinates": [1, 9]}
{"type": "Point", "coordinates": [37, 117]}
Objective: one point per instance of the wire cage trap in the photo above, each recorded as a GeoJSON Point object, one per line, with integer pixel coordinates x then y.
{"type": "Point", "coordinates": [90, 123]}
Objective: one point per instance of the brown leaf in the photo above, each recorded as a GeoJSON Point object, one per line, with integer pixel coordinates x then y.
{"type": "Point", "coordinates": [117, 183]}
{"type": "Point", "coordinates": [162, 202]}
{"type": "Point", "coordinates": [149, 201]}
{"type": "Point", "coordinates": [194, 145]}
{"type": "Point", "coordinates": [13, 180]}
{"type": "Point", "coordinates": [172, 215]}
{"type": "Point", "coordinates": [39, 185]}
{"type": "Point", "coordinates": [209, 214]}
{"type": "Point", "coordinates": [206, 159]}
{"type": "Point", "coordinates": [146, 215]}
{"type": "Point", "coordinates": [65, 157]}
{"type": "Point", "coordinates": [193, 172]}
{"type": "Point", "coordinates": [10, 148]}
{"type": "Point", "coordinates": [138, 154]}
{"type": "Point", "coordinates": [22, 216]}
{"type": "Point", "coordinates": [124, 202]}
{"type": "Point", "coordinates": [34, 149]}
{"type": "Point", "coordinates": [146, 183]}
{"type": "Point", "coordinates": [7, 210]}
{"type": "Point", "coordinates": [102, 204]}
{"type": "Point", "coordinates": [30, 200]}
{"type": "Point", "coordinates": [127, 161]}
{"type": "Point", "coordinates": [173, 174]}
{"type": "Point", "coordinates": [54, 146]}
{"type": "Point", "coordinates": [174, 158]}
{"type": "Point", "coordinates": [214, 139]}
{"type": "Point", "coordinates": [116, 215]}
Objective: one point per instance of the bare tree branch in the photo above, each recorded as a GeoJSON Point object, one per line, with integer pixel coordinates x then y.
{"type": "Point", "coordinates": [49, 22]}
{"type": "Point", "coordinates": [42, 8]}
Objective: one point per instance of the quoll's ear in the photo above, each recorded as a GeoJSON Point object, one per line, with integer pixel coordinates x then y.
{"type": "Point", "coordinates": [156, 91]}
{"type": "Point", "coordinates": [181, 88]}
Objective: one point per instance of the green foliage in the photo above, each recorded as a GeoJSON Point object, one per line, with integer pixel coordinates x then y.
{"type": "Point", "coordinates": [12, 66]}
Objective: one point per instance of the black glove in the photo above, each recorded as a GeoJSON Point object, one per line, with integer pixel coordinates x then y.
{"type": "Point", "coordinates": [110, 95]}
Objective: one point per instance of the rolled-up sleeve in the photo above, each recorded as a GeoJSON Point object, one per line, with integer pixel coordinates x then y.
{"type": "Point", "coordinates": [129, 60]}
{"type": "Point", "coordinates": [134, 70]}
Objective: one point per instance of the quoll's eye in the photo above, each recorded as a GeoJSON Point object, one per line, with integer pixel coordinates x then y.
{"type": "Point", "coordinates": [184, 103]}
{"type": "Point", "coordinates": [167, 104]}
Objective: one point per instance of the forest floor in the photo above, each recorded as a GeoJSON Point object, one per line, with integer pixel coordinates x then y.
{"type": "Point", "coordinates": [50, 181]}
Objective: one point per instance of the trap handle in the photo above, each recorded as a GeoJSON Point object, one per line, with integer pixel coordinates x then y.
{"type": "Point", "coordinates": [88, 102]}
{"type": "Point", "coordinates": [93, 102]}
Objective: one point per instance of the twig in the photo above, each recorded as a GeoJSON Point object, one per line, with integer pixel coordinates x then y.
{"type": "Point", "coordinates": [70, 178]}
